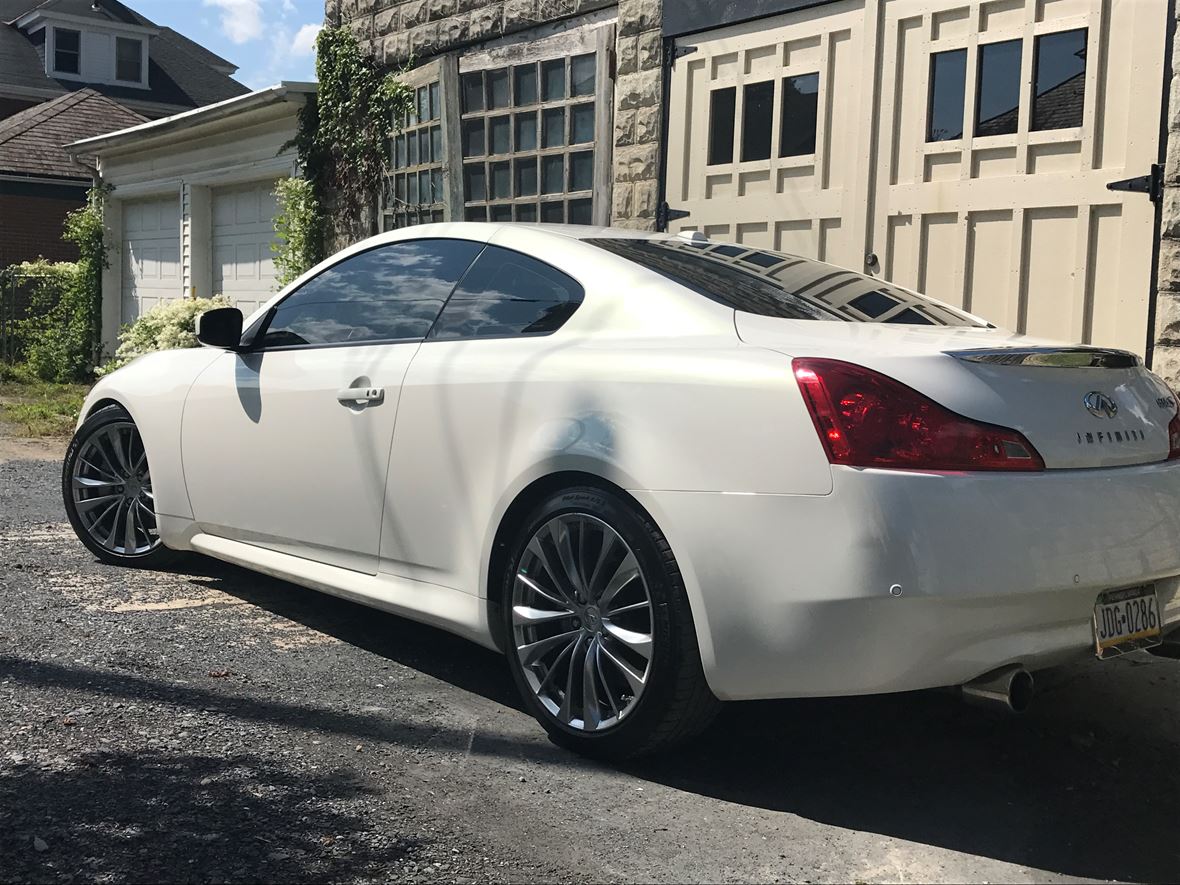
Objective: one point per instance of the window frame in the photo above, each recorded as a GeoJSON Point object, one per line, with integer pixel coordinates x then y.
{"type": "Point", "coordinates": [252, 338]}
{"type": "Point", "coordinates": [393, 212]}
{"type": "Point", "coordinates": [57, 50]}
{"type": "Point", "coordinates": [140, 43]}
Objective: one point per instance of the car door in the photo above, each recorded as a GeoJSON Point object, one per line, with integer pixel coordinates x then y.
{"type": "Point", "coordinates": [286, 446]}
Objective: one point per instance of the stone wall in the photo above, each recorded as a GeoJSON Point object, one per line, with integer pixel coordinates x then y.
{"type": "Point", "coordinates": [395, 31]}
{"type": "Point", "coordinates": [1166, 357]}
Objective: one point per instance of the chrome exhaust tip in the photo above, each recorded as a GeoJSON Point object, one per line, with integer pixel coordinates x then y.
{"type": "Point", "coordinates": [1009, 689]}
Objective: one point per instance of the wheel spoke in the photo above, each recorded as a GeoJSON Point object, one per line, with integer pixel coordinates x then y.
{"type": "Point", "coordinates": [85, 482]}
{"type": "Point", "coordinates": [130, 542]}
{"type": "Point", "coordinates": [634, 679]}
{"type": "Point", "coordinates": [566, 711]}
{"type": "Point", "coordinates": [548, 680]}
{"type": "Point", "coordinates": [523, 614]}
{"type": "Point", "coordinates": [96, 468]}
{"type": "Point", "coordinates": [591, 706]}
{"type": "Point", "coordinates": [85, 506]}
{"type": "Point", "coordinates": [610, 695]}
{"type": "Point", "coordinates": [565, 553]}
{"type": "Point", "coordinates": [608, 545]}
{"type": "Point", "coordinates": [538, 550]}
{"type": "Point", "coordinates": [124, 467]}
{"type": "Point", "coordinates": [626, 609]}
{"type": "Point", "coordinates": [625, 573]}
{"type": "Point", "coordinates": [640, 643]}
{"type": "Point", "coordinates": [109, 542]}
{"type": "Point", "coordinates": [534, 651]}
{"type": "Point", "coordinates": [544, 594]}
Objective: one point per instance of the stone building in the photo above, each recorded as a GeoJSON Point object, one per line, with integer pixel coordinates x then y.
{"type": "Point", "coordinates": [1007, 156]}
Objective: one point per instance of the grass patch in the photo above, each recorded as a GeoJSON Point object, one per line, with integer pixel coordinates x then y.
{"type": "Point", "coordinates": [38, 408]}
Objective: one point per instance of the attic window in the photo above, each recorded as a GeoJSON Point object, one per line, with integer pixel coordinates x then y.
{"type": "Point", "coordinates": [67, 51]}
{"type": "Point", "coordinates": [129, 60]}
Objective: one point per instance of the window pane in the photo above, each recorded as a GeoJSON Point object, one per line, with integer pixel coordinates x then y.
{"type": "Point", "coordinates": [756, 120]}
{"type": "Point", "coordinates": [436, 185]}
{"type": "Point", "coordinates": [526, 84]}
{"type": "Point", "coordinates": [1060, 80]}
{"type": "Point", "coordinates": [424, 146]}
{"type": "Point", "coordinates": [473, 145]}
{"type": "Point", "coordinates": [526, 132]}
{"type": "Point", "coordinates": [423, 103]}
{"type": "Point", "coordinates": [581, 211]}
{"type": "Point", "coordinates": [948, 76]}
{"type": "Point", "coordinates": [390, 292]}
{"type": "Point", "coordinates": [582, 171]}
{"type": "Point", "coordinates": [474, 182]}
{"type": "Point", "coordinates": [67, 57]}
{"type": "Point", "coordinates": [722, 107]}
{"type": "Point", "coordinates": [501, 181]}
{"type": "Point", "coordinates": [502, 212]}
{"type": "Point", "coordinates": [399, 188]}
{"type": "Point", "coordinates": [497, 88]}
{"type": "Point", "coordinates": [476, 213]}
{"type": "Point", "coordinates": [128, 60]}
{"type": "Point", "coordinates": [473, 92]}
{"type": "Point", "coordinates": [553, 213]}
{"type": "Point", "coordinates": [552, 173]}
{"type": "Point", "coordinates": [500, 135]}
{"type": "Point", "coordinates": [399, 151]}
{"type": "Point", "coordinates": [553, 127]}
{"type": "Point", "coordinates": [526, 212]}
{"type": "Point", "coordinates": [582, 75]}
{"type": "Point", "coordinates": [997, 105]}
{"type": "Point", "coordinates": [581, 123]}
{"type": "Point", "coordinates": [435, 102]}
{"type": "Point", "coordinates": [526, 177]}
{"type": "Point", "coordinates": [800, 109]}
{"type": "Point", "coordinates": [436, 150]}
{"type": "Point", "coordinates": [67, 40]}
{"type": "Point", "coordinates": [412, 144]}
{"type": "Point", "coordinates": [507, 293]}
{"type": "Point", "coordinates": [412, 188]}
{"type": "Point", "coordinates": [553, 80]}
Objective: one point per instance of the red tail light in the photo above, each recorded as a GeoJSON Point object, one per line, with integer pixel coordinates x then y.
{"type": "Point", "coordinates": [866, 419]}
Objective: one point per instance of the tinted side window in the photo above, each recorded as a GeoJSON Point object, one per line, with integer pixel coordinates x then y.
{"type": "Point", "coordinates": [387, 293]}
{"type": "Point", "coordinates": [506, 293]}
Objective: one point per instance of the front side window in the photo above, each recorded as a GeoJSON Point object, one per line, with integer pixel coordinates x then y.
{"type": "Point", "coordinates": [1060, 98]}
{"type": "Point", "coordinates": [67, 51]}
{"type": "Point", "coordinates": [997, 106]}
{"type": "Point", "coordinates": [528, 136]}
{"type": "Point", "coordinates": [775, 284]}
{"type": "Point", "coordinates": [948, 82]}
{"type": "Point", "coordinates": [389, 293]}
{"type": "Point", "coordinates": [128, 60]}
{"type": "Point", "coordinates": [508, 294]}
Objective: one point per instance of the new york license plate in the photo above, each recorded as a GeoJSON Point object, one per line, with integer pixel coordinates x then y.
{"type": "Point", "coordinates": [1125, 620]}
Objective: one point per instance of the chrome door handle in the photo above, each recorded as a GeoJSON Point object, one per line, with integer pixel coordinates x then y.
{"type": "Point", "coordinates": [359, 396]}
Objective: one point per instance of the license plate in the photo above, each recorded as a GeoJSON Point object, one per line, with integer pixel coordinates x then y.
{"type": "Point", "coordinates": [1125, 620]}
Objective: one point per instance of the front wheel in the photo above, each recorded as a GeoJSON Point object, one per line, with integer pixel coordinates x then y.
{"type": "Point", "coordinates": [602, 644]}
{"type": "Point", "coordinates": [107, 491]}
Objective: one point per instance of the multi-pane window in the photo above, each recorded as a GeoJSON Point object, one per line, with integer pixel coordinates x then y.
{"type": "Point", "coordinates": [527, 136]}
{"type": "Point", "coordinates": [1060, 78]}
{"type": "Point", "coordinates": [128, 60]}
{"type": "Point", "coordinates": [798, 103]}
{"type": "Point", "coordinates": [948, 83]}
{"type": "Point", "coordinates": [418, 162]}
{"type": "Point", "coordinates": [67, 51]}
{"type": "Point", "coordinates": [1059, 86]}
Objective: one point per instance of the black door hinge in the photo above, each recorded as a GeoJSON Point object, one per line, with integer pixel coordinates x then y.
{"type": "Point", "coordinates": [1151, 184]}
{"type": "Point", "coordinates": [664, 214]}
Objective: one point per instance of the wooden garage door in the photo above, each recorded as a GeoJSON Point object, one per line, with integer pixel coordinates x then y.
{"type": "Point", "coordinates": [151, 255]}
{"type": "Point", "coordinates": [243, 231]}
{"type": "Point", "coordinates": [959, 148]}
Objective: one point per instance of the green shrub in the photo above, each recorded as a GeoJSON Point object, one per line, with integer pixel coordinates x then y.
{"type": "Point", "coordinates": [168, 326]}
{"type": "Point", "coordinates": [299, 228]}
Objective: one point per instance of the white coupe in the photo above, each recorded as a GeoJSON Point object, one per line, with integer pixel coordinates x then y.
{"type": "Point", "coordinates": [656, 471]}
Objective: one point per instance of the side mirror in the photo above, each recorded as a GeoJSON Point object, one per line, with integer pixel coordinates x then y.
{"type": "Point", "coordinates": [220, 327]}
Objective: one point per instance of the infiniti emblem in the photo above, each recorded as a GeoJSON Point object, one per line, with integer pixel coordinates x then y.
{"type": "Point", "coordinates": [1100, 405]}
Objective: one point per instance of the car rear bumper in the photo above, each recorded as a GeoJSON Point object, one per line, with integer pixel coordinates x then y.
{"type": "Point", "coordinates": [799, 595]}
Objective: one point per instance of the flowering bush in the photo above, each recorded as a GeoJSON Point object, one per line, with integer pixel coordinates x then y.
{"type": "Point", "coordinates": [168, 326]}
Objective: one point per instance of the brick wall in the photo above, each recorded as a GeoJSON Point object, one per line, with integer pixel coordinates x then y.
{"type": "Point", "coordinates": [396, 30]}
{"type": "Point", "coordinates": [31, 226]}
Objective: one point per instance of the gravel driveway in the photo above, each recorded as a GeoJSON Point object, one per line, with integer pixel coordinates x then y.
{"type": "Point", "coordinates": [210, 724]}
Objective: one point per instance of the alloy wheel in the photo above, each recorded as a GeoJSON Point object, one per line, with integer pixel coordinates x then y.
{"type": "Point", "coordinates": [582, 622]}
{"type": "Point", "coordinates": [111, 489]}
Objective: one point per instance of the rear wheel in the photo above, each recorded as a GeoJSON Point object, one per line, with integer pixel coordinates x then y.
{"type": "Point", "coordinates": [602, 645]}
{"type": "Point", "coordinates": [107, 491]}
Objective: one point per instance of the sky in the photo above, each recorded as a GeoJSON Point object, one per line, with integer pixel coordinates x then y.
{"type": "Point", "coordinates": [269, 40]}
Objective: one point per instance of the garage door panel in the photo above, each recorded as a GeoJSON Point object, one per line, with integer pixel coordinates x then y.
{"type": "Point", "coordinates": [243, 231]}
{"type": "Point", "coordinates": [150, 255]}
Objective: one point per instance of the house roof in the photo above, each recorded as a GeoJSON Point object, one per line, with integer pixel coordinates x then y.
{"type": "Point", "coordinates": [32, 142]}
{"type": "Point", "coordinates": [181, 73]}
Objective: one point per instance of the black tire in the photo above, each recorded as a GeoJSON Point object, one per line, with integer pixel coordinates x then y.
{"type": "Point", "coordinates": [675, 704]}
{"type": "Point", "coordinates": [107, 419]}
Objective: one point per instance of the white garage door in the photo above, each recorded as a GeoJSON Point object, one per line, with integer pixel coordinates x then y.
{"type": "Point", "coordinates": [962, 148]}
{"type": "Point", "coordinates": [243, 230]}
{"type": "Point", "coordinates": [151, 255]}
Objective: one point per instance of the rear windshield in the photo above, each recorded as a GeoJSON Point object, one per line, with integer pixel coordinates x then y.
{"type": "Point", "coordinates": [774, 284]}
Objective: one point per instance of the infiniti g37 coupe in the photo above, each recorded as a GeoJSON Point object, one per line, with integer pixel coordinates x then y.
{"type": "Point", "coordinates": [655, 471]}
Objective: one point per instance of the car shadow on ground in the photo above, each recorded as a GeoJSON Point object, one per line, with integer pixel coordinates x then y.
{"type": "Point", "coordinates": [1049, 790]}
